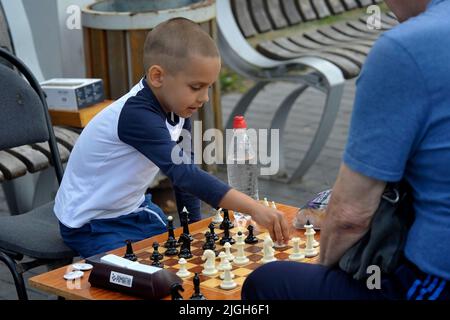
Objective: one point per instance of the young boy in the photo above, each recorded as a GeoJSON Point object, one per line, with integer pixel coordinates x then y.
{"type": "Point", "coordinates": [101, 200]}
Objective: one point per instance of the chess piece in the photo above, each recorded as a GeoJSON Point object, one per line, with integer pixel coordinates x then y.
{"type": "Point", "coordinates": [171, 240]}
{"type": "Point", "coordinates": [185, 250]}
{"type": "Point", "coordinates": [197, 295]}
{"type": "Point", "coordinates": [251, 239]}
{"type": "Point", "coordinates": [156, 254]}
{"type": "Point", "coordinates": [175, 291]}
{"type": "Point", "coordinates": [129, 254]}
{"type": "Point", "coordinates": [157, 263]}
{"type": "Point", "coordinates": [269, 252]}
{"type": "Point", "coordinates": [266, 203]}
{"type": "Point", "coordinates": [315, 243]}
{"type": "Point", "coordinates": [184, 217]}
{"type": "Point", "coordinates": [211, 230]}
{"type": "Point", "coordinates": [310, 251]}
{"type": "Point", "coordinates": [183, 272]}
{"type": "Point", "coordinates": [228, 282]}
{"type": "Point", "coordinates": [210, 264]}
{"type": "Point", "coordinates": [209, 243]}
{"type": "Point", "coordinates": [223, 262]}
{"type": "Point", "coordinates": [274, 206]}
{"type": "Point", "coordinates": [226, 220]}
{"type": "Point", "coordinates": [217, 219]}
{"type": "Point", "coordinates": [227, 247]}
{"type": "Point", "coordinates": [296, 254]}
{"type": "Point", "coordinates": [240, 255]}
{"type": "Point", "coordinates": [226, 236]}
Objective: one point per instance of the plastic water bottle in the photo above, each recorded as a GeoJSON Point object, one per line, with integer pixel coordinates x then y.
{"type": "Point", "coordinates": [242, 167]}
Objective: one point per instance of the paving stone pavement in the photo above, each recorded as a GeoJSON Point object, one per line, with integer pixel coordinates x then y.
{"type": "Point", "coordinates": [301, 124]}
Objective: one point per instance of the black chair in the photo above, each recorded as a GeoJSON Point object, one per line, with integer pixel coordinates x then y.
{"type": "Point", "coordinates": [24, 119]}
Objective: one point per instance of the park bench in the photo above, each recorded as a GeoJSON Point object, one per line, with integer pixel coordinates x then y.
{"type": "Point", "coordinates": [314, 43]}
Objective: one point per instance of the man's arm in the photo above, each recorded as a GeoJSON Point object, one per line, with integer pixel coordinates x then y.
{"type": "Point", "coordinates": [353, 202]}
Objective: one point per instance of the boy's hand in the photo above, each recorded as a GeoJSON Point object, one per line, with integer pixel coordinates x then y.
{"type": "Point", "coordinates": [269, 218]}
{"type": "Point", "coordinates": [274, 221]}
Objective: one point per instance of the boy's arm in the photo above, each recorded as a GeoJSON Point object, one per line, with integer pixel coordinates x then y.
{"type": "Point", "coordinates": [145, 130]}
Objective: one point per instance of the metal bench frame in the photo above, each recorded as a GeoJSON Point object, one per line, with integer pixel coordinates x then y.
{"type": "Point", "coordinates": [311, 72]}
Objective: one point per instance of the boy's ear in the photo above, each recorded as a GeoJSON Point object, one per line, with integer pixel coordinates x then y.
{"type": "Point", "coordinates": [155, 75]}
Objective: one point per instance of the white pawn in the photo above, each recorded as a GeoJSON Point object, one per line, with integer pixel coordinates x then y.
{"type": "Point", "coordinates": [227, 247]}
{"type": "Point", "coordinates": [210, 264]}
{"type": "Point", "coordinates": [240, 255]}
{"type": "Point", "coordinates": [228, 282]}
{"type": "Point", "coordinates": [266, 203]}
{"type": "Point", "coordinates": [296, 254]}
{"type": "Point", "coordinates": [217, 219]}
{"type": "Point", "coordinates": [274, 206]}
{"type": "Point", "coordinates": [269, 252]}
{"type": "Point", "coordinates": [223, 263]}
{"type": "Point", "coordinates": [183, 272]}
{"type": "Point", "coordinates": [309, 233]}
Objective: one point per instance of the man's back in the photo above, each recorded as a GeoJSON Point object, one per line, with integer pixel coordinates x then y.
{"type": "Point", "coordinates": [401, 123]}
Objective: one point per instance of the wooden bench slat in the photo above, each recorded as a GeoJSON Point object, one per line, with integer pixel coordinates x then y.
{"type": "Point", "coordinates": [365, 3]}
{"type": "Point", "coordinates": [306, 10]}
{"type": "Point", "coordinates": [300, 40]}
{"type": "Point", "coordinates": [336, 6]}
{"type": "Point", "coordinates": [243, 18]}
{"type": "Point", "coordinates": [350, 4]}
{"type": "Point", "coordinates": [33, 159]}
{"type": "Point", "coordinates": [276, 15]}
{"type": "Point", "coordinates": [11, 167]}
{"type": "Point", "coordinates": [383, 25]}
{"type": "Point", "coordinates": [321, 8]}
{"type": "Point", "coordinates": [356, 47]}
{"type": "Point", "coordinates": [347, 30]}
{"type": "Point", "coordinates": [334, 34]}
{"type": "Point", "coordinates": [360, 26]}
{"type": "Point", "coordinates": [392, 15]}
{"type": "Point", "coordinates": [45, 149]}
{"type": "Point", "coordinates": [259, 15]}
{"type": "Point", "coordinates": [315, 36]}
{"type": "Point", "coordinates": [289, 45]}
{"type": "Point", "coordinates": [352, 56]}
{"type": "Point", "coordinates": [291, 12]}
{"type": "Point", "coordinates": [66, 137]}
{"type": "Point", "coordinates": [389, 20]}
{"type": "Point", "coordinates": [348, 68]}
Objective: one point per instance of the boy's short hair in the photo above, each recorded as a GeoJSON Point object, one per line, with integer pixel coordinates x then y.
{"type": "Point", "coordinates": [172, 42]}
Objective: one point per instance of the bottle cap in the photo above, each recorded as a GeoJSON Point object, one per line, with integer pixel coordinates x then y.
{"type": "Point", "coordinates": [239, 122]}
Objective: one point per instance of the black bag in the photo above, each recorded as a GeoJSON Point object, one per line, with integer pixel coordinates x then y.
{"type": "Point", "coordinates": [383, 243]}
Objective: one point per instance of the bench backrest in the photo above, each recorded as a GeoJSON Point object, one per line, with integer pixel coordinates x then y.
{"type": "Point", "coordinates": [260, 16]}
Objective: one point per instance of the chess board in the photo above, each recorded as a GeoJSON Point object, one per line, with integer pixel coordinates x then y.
{"type": "Point", "coordinates": [254, 252]}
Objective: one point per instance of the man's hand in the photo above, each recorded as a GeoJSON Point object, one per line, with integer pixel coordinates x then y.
{"type": "Point", "coordinates": [353, 202]}
{"type": "Point", "coordinates": [269, 218]}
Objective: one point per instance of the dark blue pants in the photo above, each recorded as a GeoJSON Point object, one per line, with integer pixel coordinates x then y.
{"type": "Point", "coordinates": [286, 280]}
{"type": "Point", "coordinates": [103, 235]}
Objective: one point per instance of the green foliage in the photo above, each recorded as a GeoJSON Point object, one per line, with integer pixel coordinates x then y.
{"type": "Point", "coordinates": [233, 82]}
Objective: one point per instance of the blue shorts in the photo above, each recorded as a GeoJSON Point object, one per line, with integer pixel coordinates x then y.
{"type": "Point", "coordinates": [101, 235]}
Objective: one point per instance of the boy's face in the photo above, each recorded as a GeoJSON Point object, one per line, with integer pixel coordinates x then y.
{"type": "Point", "coordinates": [186, 91]}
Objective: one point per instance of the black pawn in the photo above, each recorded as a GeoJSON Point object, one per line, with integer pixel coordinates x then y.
{"type": "Point", "coordinates": [175, 291]}
{"type": "Point", "coordinates": [209, 243]}
{"type": "Point", "coordinates": [156, 255]}
{"type": "Point", "coordinates": [172, 248]}
{"type": "Point", "coordinates": [226, 236]}
{"type": "Point", "coordinates": [197, 295]}
{"type": "Point", "coordinates": [171, 235]}
{"type": "Point", "coordinates": [156, 262]}
{"type": "Point", "coordinates": [129, 253]}
{"type": "Point", "coordinates": [211, 230]}
{"type": "Point", "coordinates": [251, 239]}
{"type": "Point", "coordinates": [185, 251]}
